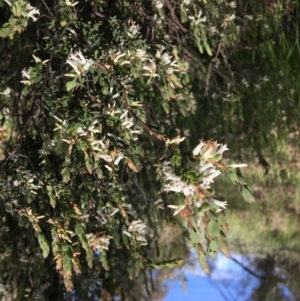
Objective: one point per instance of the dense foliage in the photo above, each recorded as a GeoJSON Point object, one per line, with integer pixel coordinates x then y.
{"type": "Point", "coordinates": [97, 98]}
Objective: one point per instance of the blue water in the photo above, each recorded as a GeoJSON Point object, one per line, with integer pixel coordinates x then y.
{"type": "Point", "coordinates": [227, 281]}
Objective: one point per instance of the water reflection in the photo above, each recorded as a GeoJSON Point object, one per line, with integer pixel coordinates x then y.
{"type": "Point", "coordinates": [239, 278]}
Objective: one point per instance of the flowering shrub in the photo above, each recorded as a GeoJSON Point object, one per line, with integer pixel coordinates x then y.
{"type": "Point", "coordinates": [95, 105]}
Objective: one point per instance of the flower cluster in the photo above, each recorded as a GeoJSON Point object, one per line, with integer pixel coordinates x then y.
{"type": "Point", "coordinates": [79, 63]}
{"type": "Point", "coordinates": [138, 230]}
{"type": "Point", "coordinates": [203, 161]}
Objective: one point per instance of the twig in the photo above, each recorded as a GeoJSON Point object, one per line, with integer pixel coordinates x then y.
{"type": "Point", "coordinates": [48, 9]}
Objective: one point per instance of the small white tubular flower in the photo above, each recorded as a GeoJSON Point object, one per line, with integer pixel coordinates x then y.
{"type": "Point", "coordinates": [221, 204]}
{"type": "Point", "coordinates": [26, 77]}
{"type": "Point", "coordinates": [196, 151]}
{"type": "Point", "coordinates": [79, 63]}
{"type": "Point", "coordinates": [177, 209]}
{"type": "Point", "coordinates": [245, 83]}
{"type": "Point", "coordinates": [174, 183]}
{"type": "Point", "coordinates": [141, 54]}
{"type": "Point", "coordinates": [198, 19]}
{"type": "Point", "coordinates": [232, 4]}
{"type": "Point", "coordinates": [9, 3]}
{"type": "Point", "coordinates": [134, 30]}
{"type": "Point", "coordinates": [138, 228]}
{"type": "Point", "coordinates": [166, 58]}
{"type": "Point", "coordinates": [6, 92]}
{"type": "Point", "coordinates": [209, 175]}
{"type": "Point", "coordinates": [158, 4]}
{"type": "Point", "coordinates": [238, 165]}
{"type": "Point", "coordinates": [31, 12]}
{"type": "Point", "coordinates": [69, 3]}
{"type": "Point", "coordinates": [119, 158]}
{"type": "Point", "coordinates": [208, 150]}
{"type": "Point", "coordinates": [150, 68]}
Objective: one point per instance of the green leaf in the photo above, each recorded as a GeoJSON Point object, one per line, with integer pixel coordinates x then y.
{"type": "Point", "coordinates": [165, 264]}
{"type": "Point", "coordinates": [66, 175]}
{"type": "Point", "coordinates": [247, 195]}
{"type": "Point", "coordinates": [222, 219]}
{"type": "Point", "coordinates": [213, 215]}
{"type": "Point", "coordinates": [65, 247]}
{"type": "Point", "coordinates": [233, 177]}
{"type": "Point", "coordinates": [213, 254]}
{"type": "Point", "coordinates": [79, 230]}
{"type": "Point", "coordinates": [67, 264]}
{"type": "Point", "coordinates": [223, 245]}
{"type": "Point", "coordinates": [207, 48]}
{"type": "Point", "coordinates": [176, 160]}
{"type": "Point", "coordinates": [71, 85]}
{"type": "Point", "coordinates": [45, 248]}
{"type": "Point", "coordinates": [89, 258]}
{"type": "Point", "coordinates": [166, 107]}
{"type": "Point", "coordinates": [51, 196]}
{"type": "Point", "coordinates": [214, 228]}
{"type": "Point", "coordinates": [8, 208]}
{"type": "Point", "coordinates": [43, 244]}
{"type": "Point", "coordinates": [241, 181]}
{"type": "Point", "coordinates": [103, 260]}
{"type": "Point", "coordinates": [21, 220]}
{"type": "Point", "coordinates": [194, 237]}
{"type": "Point", "coordinates": [213, 246]}
{"type": "Point", "coordinates": [88, 163]}
{"type": "Point", "coordinates": [203, 262]}
{"type": "Point", "coordinates": [17, 9]}
{"type": "Point", "coordinates": [204, 207]}
{"type": "Point", "coordinates": [218, 157]}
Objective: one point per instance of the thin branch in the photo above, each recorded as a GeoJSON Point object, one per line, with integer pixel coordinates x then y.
{"type": "Point", "coordinates": [247, 269]}
{"type": "Point", "coordinates": [48, 9]}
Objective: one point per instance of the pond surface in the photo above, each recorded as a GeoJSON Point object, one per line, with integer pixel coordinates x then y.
{"type": "Point", "coordinates": [228, 281]}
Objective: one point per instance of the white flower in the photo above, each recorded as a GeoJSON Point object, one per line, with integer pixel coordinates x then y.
{"type": "Point", "coordinates": [257, 86]}
{"type": "Point", "coordinates": [38, 60]}
{"type": "Point", "coordinates": [208, 150]}
{"type": "Point", "coordinates": [107, 158]}
{"type": "Point", "coordinates": [69, 3]}
{"type": "Point", "coordinates": [150, 67]}
{"type": "Point", "coordinates": [81, 131]}
{"type": "Point", "coordinates": [280, 86]}
{"type": "Point", "coordinates": [177, 208]}
{"type": "Point", "coordinates": [6, 92]}
{"type": "Point", "coordinates": [158, 4]}
{"type": "Point", "coordinates": [232, 4]}
{"type": "Point", "coordinates": [79, 63]}
{"type": "Point", "coordinates": [134, 29]}
{"type": "Point", "coordinates": [238, 165]}
{"type": "Point", "coordinates": [118, 56]}
{"type": "Point", "coordinates": [31, 12]}
{"type": "Point", "coordinates": [141, 54]}
{"type": "Point", "coordinates": [197, 20]}
{"type": "Point", "coordinates": [120, 157]}
{"type": "Point", "coordinates": [221, 204]}
{"type": "Point", "coordinates": [265, 79]}
{"type": "Point", "coordinates": [26, 77]}
{"type": "Point", "coordinates": [197, 149]}
{"type": "Point", "coordinates": [9, 3]}
{"type": "Point", "coordinates": [244, 82]}
{"type": "Point", "coordinates": [138, 228]}
{"type": "Point", "coordinates": [166, 59]}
